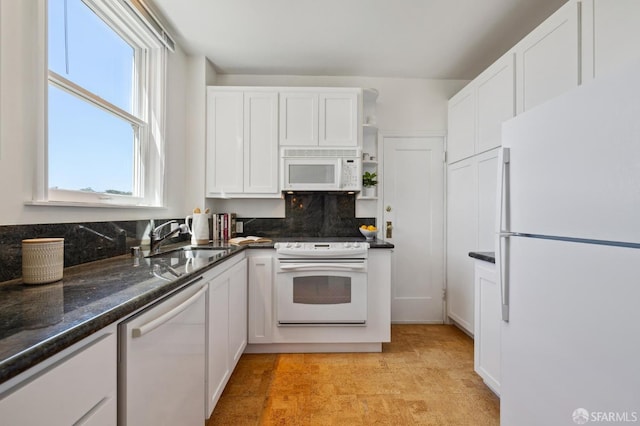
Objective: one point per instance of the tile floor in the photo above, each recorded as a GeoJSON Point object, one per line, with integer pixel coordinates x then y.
{"type": "Point", "coordinates": [423, 377]}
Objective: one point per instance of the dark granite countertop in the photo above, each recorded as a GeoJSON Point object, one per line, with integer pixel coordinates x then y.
{"type": "Point", "coordinates": [487, 256]}
{"type": "Point", "coordinates": [38, 321]}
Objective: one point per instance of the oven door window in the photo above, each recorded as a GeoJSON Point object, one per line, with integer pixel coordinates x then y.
{"type": "Point", "coordinates": [321, 290]}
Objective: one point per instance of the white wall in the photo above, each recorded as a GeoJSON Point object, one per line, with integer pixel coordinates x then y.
{"type": "Point", "coordinates": [20, 54]}
{"type": "Point", "coordinates": [404, 105]}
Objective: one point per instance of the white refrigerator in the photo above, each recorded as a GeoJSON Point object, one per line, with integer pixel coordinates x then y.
{"type": "Point", "coordinates": [568, 257]}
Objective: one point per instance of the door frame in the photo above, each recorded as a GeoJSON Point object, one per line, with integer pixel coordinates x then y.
{"type": "Point", "coordinates": [387, 134]}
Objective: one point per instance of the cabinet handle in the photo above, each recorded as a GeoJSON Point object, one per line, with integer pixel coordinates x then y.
{"type": "Point", "coordinates": [389, 229]}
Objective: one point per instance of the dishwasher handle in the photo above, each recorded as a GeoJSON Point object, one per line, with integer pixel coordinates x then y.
{"type": "Point", "coordinates": [157, 322]}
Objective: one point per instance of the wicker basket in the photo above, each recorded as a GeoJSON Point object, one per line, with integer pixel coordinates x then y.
{"type": "Point", "coordinates": [42, 260]}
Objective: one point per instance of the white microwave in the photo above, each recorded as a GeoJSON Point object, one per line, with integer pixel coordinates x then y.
{"type": "Point", "coordinates": [321, 169]}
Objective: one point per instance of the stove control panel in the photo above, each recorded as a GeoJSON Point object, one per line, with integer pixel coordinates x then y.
{"type": "Point", "coordinates": [322, 249]}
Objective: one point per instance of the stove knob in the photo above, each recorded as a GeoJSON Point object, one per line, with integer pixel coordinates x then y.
{"type": "Point", "coordinates": [356, 245]}
{"type": "Point", "coordinates": [289, 245]}
{"type": "Point", "coordinates": [347, 245]}
{"type": "Point", "coordinates": [297, 245]}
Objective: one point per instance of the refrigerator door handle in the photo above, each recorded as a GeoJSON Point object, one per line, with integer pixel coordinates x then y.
{"type": "Point", "coordinates": [502, 260]}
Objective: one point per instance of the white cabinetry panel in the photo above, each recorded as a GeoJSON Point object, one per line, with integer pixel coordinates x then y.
{"type": "Point", "coordinates": [461, 239]}
{"type": "Point", "coordinates": [338, 119]}
{"type": "Point", "coordinates": [496, 102]}
{"type": "Point", "coordinates": [298, 118]}
{"type": "Point", "coordinates": [261, 297]}
{"type": "Point", "coordinates": [260, 142]}
{"type": "Point", "coordinates": [226, 326]}
{"type": "Point", "coordinates": [488, 323]}
{"type": "Point", "coordinates": [225, 146]}
{"type": "Point", "coordinates": [548, 58]}
{"type": "Point", "coordinates": [487, 175]}
{"type": "Point", "coordinates": [461, 125]}
{"type": "Point", "coordinates": [616, 33]}
{"type": "Point", "coordinates": [79, 389]}
{"type": "Point", "coordinates": [242, 143]}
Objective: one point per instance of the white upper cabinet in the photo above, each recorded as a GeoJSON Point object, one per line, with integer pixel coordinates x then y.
{"type": "Point", "coordinates": [548, 58]}
{"type": "Point", "coordinates": [615, 34]}
{"type": "Point", "coordinates": [298, 118]}
{"type": "Point", "coordinates": [461, 124]}
{"type": "Point", "coordinates": [338, 119]}
{"type": "Point", "coordinates": [225, 145]}
{"type": "Point", "coordinates": [477, 112]}
{"type": "Point", "coordinates": [319, 117]}
{"type": "Point", "coordinates": [496, 101]}
{"type": "Point", "coordinates": [261, 142]}
{"type": "Point", "coordinates": [242, 143]}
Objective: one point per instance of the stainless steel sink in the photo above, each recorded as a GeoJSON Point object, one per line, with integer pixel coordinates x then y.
{"type": "Point", "coordinates": [174, 263]}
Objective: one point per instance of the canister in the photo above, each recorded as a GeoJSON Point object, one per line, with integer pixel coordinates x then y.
{"type": "Point", "coordinates": [42, 260]}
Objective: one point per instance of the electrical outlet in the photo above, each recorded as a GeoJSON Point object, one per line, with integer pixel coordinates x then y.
{"type": "Point", "coordinates": [239, 227]}
{"type": "Point", "coordinates": [174, 226]}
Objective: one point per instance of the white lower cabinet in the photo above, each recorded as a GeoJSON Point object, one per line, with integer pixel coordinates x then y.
{"type": "Point", "coordinates": [261, 296]}
{"type": "Point", "coordinates": [486, 347]}
{"type": "Point", "coordinates": [471, 204]}
{"type": "Point", "coordinates": [77, 387]}
{"type": "Point", "coordinates": [226, 326]}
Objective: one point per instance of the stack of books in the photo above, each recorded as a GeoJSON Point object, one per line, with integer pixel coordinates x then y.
{"type": "Point", "coordinates": [224, 226]}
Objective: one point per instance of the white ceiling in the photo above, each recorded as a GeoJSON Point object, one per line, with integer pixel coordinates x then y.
{"type": "Point", "coordinates": [440, 39]}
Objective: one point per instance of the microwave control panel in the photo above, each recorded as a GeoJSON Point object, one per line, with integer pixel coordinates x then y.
{"type": "Point", "coordinates": [350, 174]}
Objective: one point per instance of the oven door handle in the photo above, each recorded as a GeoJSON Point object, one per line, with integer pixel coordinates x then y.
{"type": "Point", "coordinates": [323, 267]}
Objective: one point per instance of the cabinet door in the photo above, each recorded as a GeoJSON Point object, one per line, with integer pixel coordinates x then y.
{"type": "Point", "coordinates": [488, 322]}
{"type": "Point", "coordinates": [260, 299]}
{"type": "Point", "coordinates": [461, 125]}
{"type": "Point", "coordinates": [79, 389]}
{"type": "Point", "coordinates": [298, 118]}
{"type": "Point", "coordinates": [237, 311]}
{"type": "Point", "coordinates": [487, 175]}
{"type": "Point", "coordinates": [261, 142]}
{"type": "Point", "coordinates": [616, 33]}
{"type": "Point", "coordinates": [225, 147]}
{"type": "Point", "coordinates": [496, 102]}
{"type": "Point", "coordinates": [218, 368]}
{"type": "Point", "coordinates": [547, 59]}
{"type": "Point", "coordinates": [338, 119]}
{"type": "Point", "coordinates": [461, 239]}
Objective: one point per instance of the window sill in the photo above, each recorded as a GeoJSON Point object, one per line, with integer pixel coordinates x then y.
{"type": "Point", "coordinates": [91, 205]}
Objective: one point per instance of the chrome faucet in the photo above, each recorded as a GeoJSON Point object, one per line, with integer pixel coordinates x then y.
{"type": "Point", "coordinates": [155, 238]}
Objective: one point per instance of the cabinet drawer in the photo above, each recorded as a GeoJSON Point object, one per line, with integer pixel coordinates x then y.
{"type": "Point", "coordinates": [77, 388]}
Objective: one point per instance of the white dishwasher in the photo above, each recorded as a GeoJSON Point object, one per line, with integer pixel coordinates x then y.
{"type": "Point", "coordinates": [161, 361]}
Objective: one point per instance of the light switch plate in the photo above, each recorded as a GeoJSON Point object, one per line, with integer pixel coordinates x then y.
{"type": "Point", "coordinates": [239, 227]}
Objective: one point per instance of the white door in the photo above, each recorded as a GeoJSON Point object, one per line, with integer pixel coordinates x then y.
{"type": "Point", "coordinates": [413, 203]}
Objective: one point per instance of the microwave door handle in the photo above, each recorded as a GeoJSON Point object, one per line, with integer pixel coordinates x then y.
{"type": "Point", "coordinates": [339, 182]}
{"type": "Point", "coordinates": [322, 267]}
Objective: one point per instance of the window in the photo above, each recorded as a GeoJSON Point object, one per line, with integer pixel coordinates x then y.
{"type": "Point", "coordinates": [105, 105]}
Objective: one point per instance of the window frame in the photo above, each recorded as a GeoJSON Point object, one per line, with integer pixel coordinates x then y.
{"type": "Point", "coordinates": [147, 114]}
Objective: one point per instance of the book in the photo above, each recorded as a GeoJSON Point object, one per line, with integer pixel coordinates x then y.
{"type": "Point", "coordinates": [240, 241]}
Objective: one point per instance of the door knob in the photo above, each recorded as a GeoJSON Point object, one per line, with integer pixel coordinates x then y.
{"type": "Point", "coordinates": [389, 228]}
